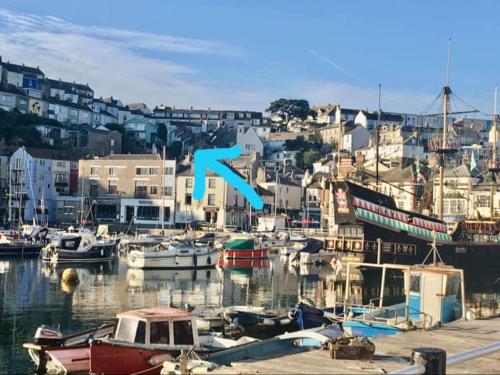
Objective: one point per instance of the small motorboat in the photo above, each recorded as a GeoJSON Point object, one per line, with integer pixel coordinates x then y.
{"type": "Point", "coordinates": [139, 342]}
{"type": "Point", "coordinates": [79, 246]}
{"type": "Point", "coordinates": [50, 348]}
{"type": "Point", "coordinates": [172, 255]}
{"type": "Point", "coordinates": [28, 245]}
{"type": "Point", "coordinates": [240, 320]}
{"type": "Point", "coordinates": [245, 248]}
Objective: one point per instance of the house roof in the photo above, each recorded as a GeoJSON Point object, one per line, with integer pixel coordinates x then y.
{"type": "Point", "coordinates": [188, 171]}
{"type": "Point", "coordinates": [55, 154]}
{"type": "Point", "coordinates": [284, 136]}
{"type": "Point", "coordinates": [24, 69]}
{"type": "Point", "coordinates": [132, 157]}
{"type": "Point", "coordinates": [384, 116]}
{"type": "Point", "coordinates": [460, 171]}
{"type": "Point", "coordinates": [68, 104]}
{"type": "Point", "coordinates": [66, 86]}
{"type": "Point", "coordinates": [263, 192]}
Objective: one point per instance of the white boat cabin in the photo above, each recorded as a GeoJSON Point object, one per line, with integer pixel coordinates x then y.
{"type": "Point", "coordinates": [157, 326]}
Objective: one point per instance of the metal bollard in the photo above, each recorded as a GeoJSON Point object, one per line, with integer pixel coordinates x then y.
{"type": "Point", "coordinates": [433, 359]}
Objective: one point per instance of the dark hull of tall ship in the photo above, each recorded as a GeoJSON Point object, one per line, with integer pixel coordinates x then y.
{"type": "Point", "coordinates": [483, 256]}
{"type": "Point", "coordinates": [20, 250]}
{"type": "Point", "coordinates": [406, 236]}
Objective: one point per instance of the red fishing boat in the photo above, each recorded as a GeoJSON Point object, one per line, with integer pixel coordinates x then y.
{"type": "Point", "coordinates": [139, 344]}
{"type": "Point", "coordinates": [245, 248]}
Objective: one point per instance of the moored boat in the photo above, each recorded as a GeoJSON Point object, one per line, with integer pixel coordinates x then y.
{"type": "Point", "coordinates": [80, 246]}
{"type": "Point", "coordinates": [26, 246]}
{"type": "Point", "coordinates": [171, 255]}
{"type": "Point", "coordinates": [244, 248]}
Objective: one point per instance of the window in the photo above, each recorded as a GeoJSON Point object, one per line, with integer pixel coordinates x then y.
{"type": "Point", "coordinates": [141, 191]}
{"type": "Point", "coordinates": [159, 333]}
{"type": "Point", "coordinates": [153, 171]}
{"type": "Point", "coordinates": [188, 199]}
{"type": "Point", "coordinates": [94, 171]}
{"type": "Point", "coordinates": [113, 171]}
{"type": "Point", "coordinates": [169, 171]}
{"type": "Point", "coordinates": [166, 213]}
{"type": "Point", "coordinates": [148, 212]}
{"type": "Point", "coordinates": [94, 190]}
{"type": "Point", "coordinates": [126, 330]}
{"type": "Point", "coordinates": [483, 201]}
{"type": "Point", "coordinates": [211, 183]}
{"type": "Point", "coordinates": [211, 199]}
{"type": "Point", "coordinates": [415, 283]}
{"type": "Point", "coordinates": [112, 188]}
{"type": "Point", "coordinates": [183, 333]}
{"type": "Point", "coordinates": [189, 182]}
{"type": "Point", "coordinates": [141, 171]}
{"type": "Point", "coordinates": [153, 190]}
{"type": "Point", "coordinates": [169, 191]}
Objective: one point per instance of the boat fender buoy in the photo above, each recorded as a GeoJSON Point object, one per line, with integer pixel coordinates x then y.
{"type": "Point", "coordinates": [70, 276]}
{"type": "Point", "coordinates": [209, 260]}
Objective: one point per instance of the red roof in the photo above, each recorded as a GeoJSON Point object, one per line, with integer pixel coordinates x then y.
{"type": "Point", "coordinates": [156, 313]}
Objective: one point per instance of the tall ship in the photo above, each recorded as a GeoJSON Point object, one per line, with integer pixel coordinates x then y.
{"type": "Point", "coordinates": [359, 219]}
{"type": "Point", "coordinates": [364, 221]}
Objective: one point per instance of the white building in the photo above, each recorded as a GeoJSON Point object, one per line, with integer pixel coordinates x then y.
{"type": "Point", "coordinates": [36, 183]}
{"type": "Point", "coordinates": [249, 141]}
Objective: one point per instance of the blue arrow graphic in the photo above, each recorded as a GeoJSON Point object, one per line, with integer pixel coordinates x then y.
{"type": "Point", "coordinates": [209, 158]}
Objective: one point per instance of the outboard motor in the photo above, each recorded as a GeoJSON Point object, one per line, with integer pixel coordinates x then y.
{"type": "Point", "coordinates": [47, 335]}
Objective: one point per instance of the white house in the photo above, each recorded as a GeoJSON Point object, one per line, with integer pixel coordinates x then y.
{"type": "Point", "coordinates": [249, 141]}
{"type": "Point", "coordinates": [355, 137]}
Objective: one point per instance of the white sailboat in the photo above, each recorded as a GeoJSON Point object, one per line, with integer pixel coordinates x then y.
{"type": "Point", "coordinates": [171, 255]}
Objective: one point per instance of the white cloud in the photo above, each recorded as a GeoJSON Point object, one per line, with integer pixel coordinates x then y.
{"type": "Point", "coordinates": [108, 60]}
{"type": "Point", "coordinates": [113, 63]}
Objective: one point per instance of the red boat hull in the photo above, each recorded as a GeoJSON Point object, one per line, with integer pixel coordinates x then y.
{"type": "Point", "coordinates": [110, 359]}
{"type": "Point", "coordinates": [246, 254]}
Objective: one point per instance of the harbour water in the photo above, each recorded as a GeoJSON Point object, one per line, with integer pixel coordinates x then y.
{"type": "Point", "coordinates": [31, 295]}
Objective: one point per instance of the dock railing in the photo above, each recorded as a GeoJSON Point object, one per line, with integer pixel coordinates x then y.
{"type": "Point", "coordinates": [434, 361]}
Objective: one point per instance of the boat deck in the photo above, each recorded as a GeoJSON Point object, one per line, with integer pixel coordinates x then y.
{"type": "Point", "coordinates": [392, 353]}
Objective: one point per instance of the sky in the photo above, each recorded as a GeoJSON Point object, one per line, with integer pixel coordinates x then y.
{"type": "Point", "coordinates": [226, 54]}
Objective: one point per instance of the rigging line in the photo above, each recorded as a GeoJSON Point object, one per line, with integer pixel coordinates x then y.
{"type": "Point", "coordinates": [427, 109]}
{"type": "Point", "coordinates": [391, 184]}
{"type": "Point", "coordinates": [466, 102]}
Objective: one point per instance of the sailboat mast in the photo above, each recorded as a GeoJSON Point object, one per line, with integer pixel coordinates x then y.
{"type": "Point", "coordinates": [446, 92]}
{"type": "Point", "coordinates": [163, 191]}
{"type": "Point", "coordinates": [495, 135]}
{"type": "Point", "coordinates": [377, 135]}
{"type": "Point", "coordinates": [10, 194]}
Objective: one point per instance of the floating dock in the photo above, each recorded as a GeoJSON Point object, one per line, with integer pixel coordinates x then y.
{"type": "Point", "coordinates": [392, 353]}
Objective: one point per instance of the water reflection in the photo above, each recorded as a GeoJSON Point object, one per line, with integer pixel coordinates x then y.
{"type": "Point", "coordinates": [31, 294]}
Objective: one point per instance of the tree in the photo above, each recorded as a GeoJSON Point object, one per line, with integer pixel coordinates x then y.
{"type": "Point", "coordinates": [174, 150]}
{"type": "Point", "coordinates": [290, 108]}
{"type": "Point", "coordinates": [162, 133]}
{"type": "Point", "coordinates": [310, 157]}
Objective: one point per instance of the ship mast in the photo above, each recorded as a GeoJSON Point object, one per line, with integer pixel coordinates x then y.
{"type": "Point", "coordinates": [446, 94]}
{"type": "Point", "coordinates": [494, 166]}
